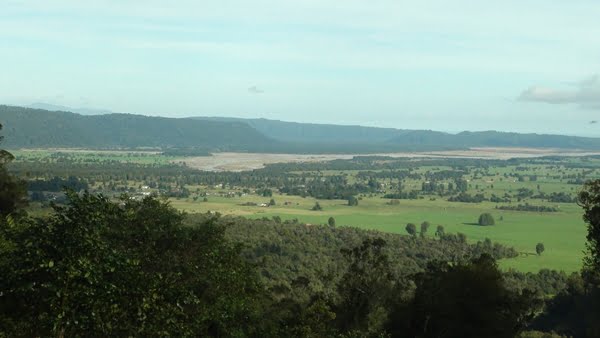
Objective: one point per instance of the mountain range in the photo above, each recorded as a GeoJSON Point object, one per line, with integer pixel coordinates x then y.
{"type": "Point", "coordinates": [26, 127]}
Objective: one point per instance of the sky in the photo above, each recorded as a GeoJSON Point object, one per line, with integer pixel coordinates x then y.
{"type": "Point", "coordinates": [510, 65]}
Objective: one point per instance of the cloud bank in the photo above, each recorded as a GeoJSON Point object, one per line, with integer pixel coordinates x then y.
{"type": "Point", "coordinates": [586, 93]}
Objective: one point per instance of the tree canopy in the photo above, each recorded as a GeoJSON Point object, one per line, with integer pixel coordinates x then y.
{"type": "Point", "coordinates": [589, 199]}
{"type": "Point", "coordinates": [411, 228]}
{"type": "Point", "coordinates": [462, 300]}
{"type": "Point", "coordinates": [123, 269]}
{"type": "Point", "coordinates": [539, 248]}
{"type": "Point", "coordinates": [486, 219]}
{"type": "Point", "coordinates": [13, 191]}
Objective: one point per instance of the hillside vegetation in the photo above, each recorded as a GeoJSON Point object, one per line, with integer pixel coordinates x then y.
{"type": "Point", "coordinates": [389, 138]}
{"type": "Point", "coordinates": [38, 128]}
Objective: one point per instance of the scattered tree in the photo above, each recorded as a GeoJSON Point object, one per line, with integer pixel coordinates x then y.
{"type": "Point", "coordinates": [439, 232]}
{"type": "Point", "coordinates": [316, 207]}
{"type": "Point", "coordinates": [486, 219]}
{"type": "Point", "coordinates": [539, 248]}
{"type": "Point", "coordinates": [265, 192]}
{"type": "Point", "coordinates": [331, 221]}
{"type": "Point", "coordinates": [424, 227]}
{"type": "Point", "coordinates": [411, 229]}
{"type": "Point", "coordinates": [352, 201]}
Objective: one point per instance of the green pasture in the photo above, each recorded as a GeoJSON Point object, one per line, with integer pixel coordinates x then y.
{"type": "Point", "coordinates": [563, 233]}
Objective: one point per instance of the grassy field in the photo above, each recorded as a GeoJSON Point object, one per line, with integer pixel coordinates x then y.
{"type": "Point", "coordinates": [563, 233]}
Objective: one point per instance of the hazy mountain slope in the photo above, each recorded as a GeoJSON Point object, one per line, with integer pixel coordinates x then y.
{"type": "Point", "coordinates": [36, 128]}
{"type": "Point", "coordinates": [82, 111]}
{"type": "Point", "coordinates": [314, 133]}
{"type": "Point", "coordinates": [503, 139]}
{"type": "Point", "coordinates": [25, 127]}
{"type": "Point", "coordinates": [390, 139]}
{"type": "Point", "coordinates": [497, 139]}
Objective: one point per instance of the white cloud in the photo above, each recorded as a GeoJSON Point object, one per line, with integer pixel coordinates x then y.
{"type": "Point", "coordinates": [548, 95]}
{"type": "Point", "coordinates": [586, 93]}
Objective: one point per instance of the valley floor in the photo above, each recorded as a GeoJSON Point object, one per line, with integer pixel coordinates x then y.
{"type": "Point", "coordinates": [232, 161]}
{"type": "Point", "coordinates": [563, 233]}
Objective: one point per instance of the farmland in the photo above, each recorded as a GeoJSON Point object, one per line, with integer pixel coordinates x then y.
{"type": "Point", "coordinates": [295, 184]}
{"type": "Point", "coordinates": [563, 233]}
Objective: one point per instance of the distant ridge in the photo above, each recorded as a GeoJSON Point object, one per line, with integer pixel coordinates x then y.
{"type": "Point", "coordinates": [314, 133]}
{"type": "Point", "coordinates": [38, 128]}
{"type": "Point", "coordinates": [390, 137]}
{"type": "Point", "coordinates": [500, 139]}
{"type": "Point", "coordinates": [82, 111]}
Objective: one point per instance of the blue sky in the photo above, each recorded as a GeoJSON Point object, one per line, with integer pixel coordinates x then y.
{"type": "Point", "coordinates": [527, 66]}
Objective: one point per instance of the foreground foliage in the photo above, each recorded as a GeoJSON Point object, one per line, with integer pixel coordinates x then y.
{"type": "Point", "coordinates": [575, 311]}
{"type": "Point", "coordinates": [127, 268]}
{"type": "Point", "coordinates": [132, 268]}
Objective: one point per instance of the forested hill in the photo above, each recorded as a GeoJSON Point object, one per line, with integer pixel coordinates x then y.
{"type": "Point", "coordinates": [314, 133]}
{"type": "Point", "coordinates": [26, 127]}
{"type": "Point", "coordinates": [498, 139]}
{"type": "Point", "coordinates": [389, 138]}
{"type": "Point", "coordinates": [38, 128]}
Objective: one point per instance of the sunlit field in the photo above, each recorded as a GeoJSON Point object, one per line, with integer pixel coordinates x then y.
{"type": "Point", "coordinates": [563, 233]}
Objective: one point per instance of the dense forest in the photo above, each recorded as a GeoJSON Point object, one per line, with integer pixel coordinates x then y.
{"type": "Point", "coordinates": [42, 129]}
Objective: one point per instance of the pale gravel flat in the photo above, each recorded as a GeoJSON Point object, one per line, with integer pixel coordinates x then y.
{"type": "Point", "coordinates": [248, 161]}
